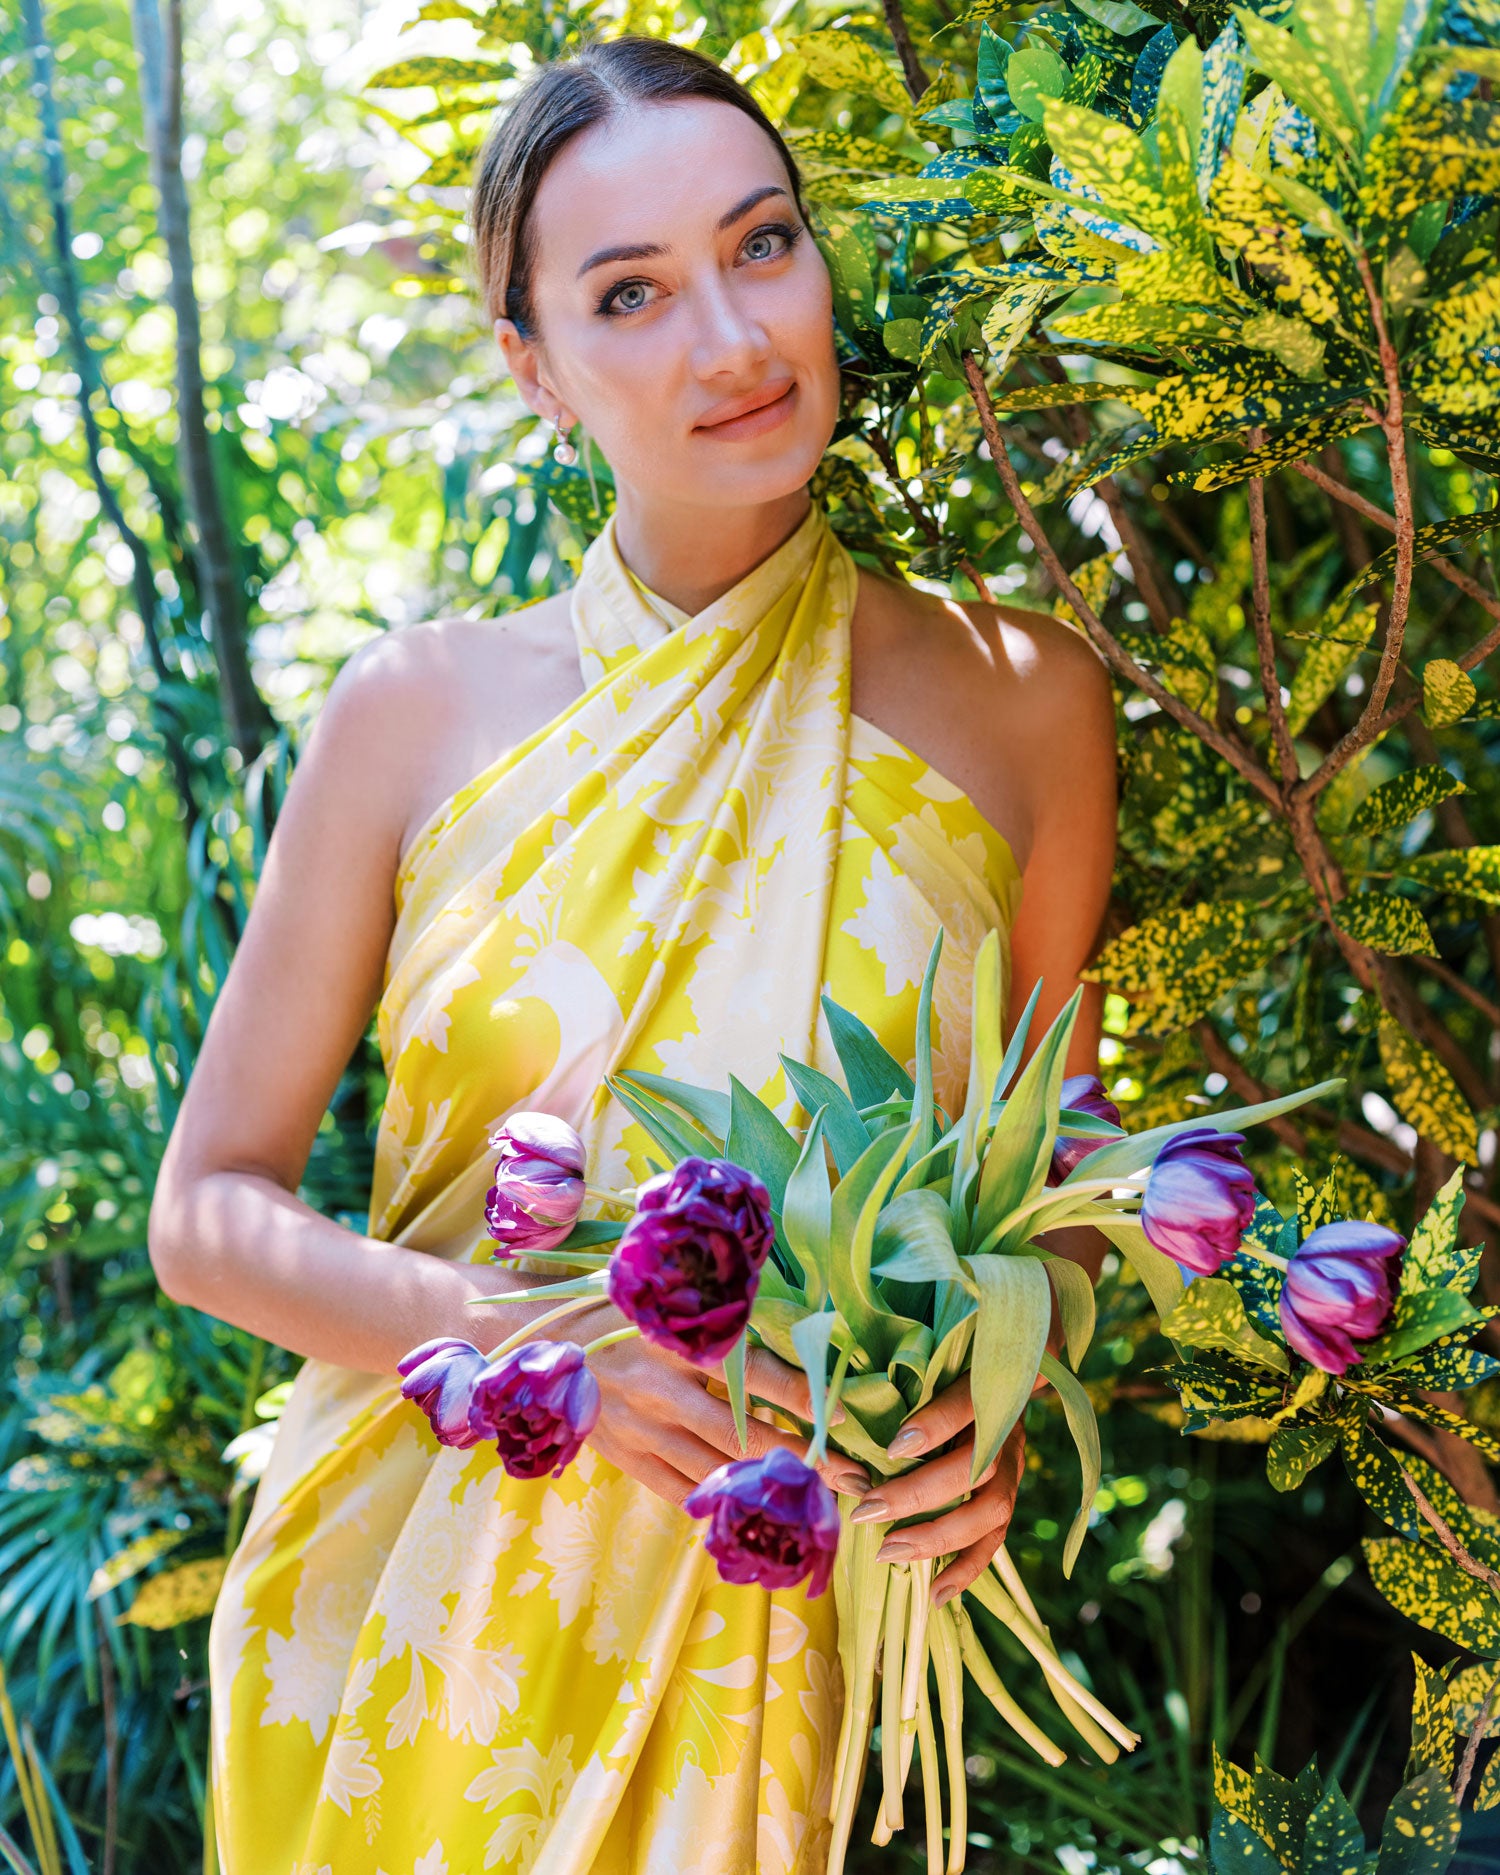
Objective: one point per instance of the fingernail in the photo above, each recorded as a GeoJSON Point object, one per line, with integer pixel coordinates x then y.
{"type": "Point", "coordinates": [944, 1594]}
{"type": "Point", "coordinates": [892, 1551]}
{"type": "Point", "coordinates": [838, 1415]}
{"type": "Point", "coordinates": [853, 1482]}
{"type": "Point", "coordinates": [870, 1511]}
{"type": "Point", "coordinates": [913, 1439]}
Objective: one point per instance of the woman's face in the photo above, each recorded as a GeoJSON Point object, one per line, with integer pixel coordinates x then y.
{"type": "Point", "coordinates": [684, 312]}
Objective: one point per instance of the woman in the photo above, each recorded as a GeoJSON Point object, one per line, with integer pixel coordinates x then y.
{"type": "Point", "coordinates": [641, 824]}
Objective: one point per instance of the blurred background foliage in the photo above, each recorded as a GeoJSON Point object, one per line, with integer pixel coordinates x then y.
{"type": "Point", "coordinates": [183, 566]}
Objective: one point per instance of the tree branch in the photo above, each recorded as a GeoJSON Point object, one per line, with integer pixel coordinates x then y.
{"type": "Point", "coordinates": [1110, 647]}
{"type": "Point", "coordinates": [917, 80]}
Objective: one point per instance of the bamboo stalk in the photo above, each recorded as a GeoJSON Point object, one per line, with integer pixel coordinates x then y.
{"type": "Point", "coordinates": [984, 1676]}
{"type": "Point", "coordinates": [950, 1678]}
{"type": "Point", "coordinates": [863, 1611]}
{"type": "Point", "coordinates": [990, 1595]}
{"type": "Point", "coordinates": [898, 1595]}
{"type": "Point", "coordinates": [914, 1667]}
{"type": "Point", "coordinates": [932, 1793]}
{"type": "Point", "coordinates": [1094, 1736]}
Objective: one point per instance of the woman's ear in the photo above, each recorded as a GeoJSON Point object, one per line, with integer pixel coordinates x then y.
{"type": "Point", "coordinates": [524, 364]}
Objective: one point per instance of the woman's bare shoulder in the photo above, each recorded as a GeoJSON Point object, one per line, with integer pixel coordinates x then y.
{"type": "Point", "coordinates": [424, 707]}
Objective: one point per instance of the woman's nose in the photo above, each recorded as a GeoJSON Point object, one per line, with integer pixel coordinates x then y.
{"type": "Point", "coordinates": [729, 338]}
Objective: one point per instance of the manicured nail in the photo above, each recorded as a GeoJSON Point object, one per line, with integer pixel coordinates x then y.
{"type": "Point", "coordinates": [944, 1594]}
{"type": "Point", "coordinates": [854, 1483]}
{"type": "Point", "coordinates": [892, 1551]}
{"type": "Point", "coordinates": [870, 1511]}
{"type": "Point", "coordinates": [838, 1415]}
{"type": "Point", "coordinates": [905, 1443]}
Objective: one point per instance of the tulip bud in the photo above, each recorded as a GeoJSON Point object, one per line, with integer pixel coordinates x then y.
{"type": "Point", "coordinates": [538, 1189]}
{"type": "Point", "coordinates": [688, 1266]}
{"type": "Point", "coordinates": [1199, 1199]}
{"type": "Point", "coordinates": [1085, 1094]}
{"type": "Point", "coordinates": [538, 1403]}
{"type": "Point", "coordinates": [1340, 1285]}
{"type": "Point", "coordinates": [771, 1520]}
{"type": "Point", "coordinates": [439, 1376]}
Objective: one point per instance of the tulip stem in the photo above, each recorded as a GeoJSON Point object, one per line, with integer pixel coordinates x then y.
{"type": "Point", "coordinates": [606, 1196]}
{"type": "Point", "coordinates": [1263, 1256]}
{"type": "Point", "coordinates": [521, 1335]}
{"type": "Point", "coordinates": [609, 1340]}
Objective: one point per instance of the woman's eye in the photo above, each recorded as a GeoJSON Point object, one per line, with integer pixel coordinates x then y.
{"type": "Point", "coordinates": [628, 296]}
{"type": "Point", "coordinates": [762, 245]}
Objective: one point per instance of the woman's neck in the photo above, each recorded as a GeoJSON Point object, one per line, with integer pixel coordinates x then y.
{"type": "Point", "coordinates": [693, 556]}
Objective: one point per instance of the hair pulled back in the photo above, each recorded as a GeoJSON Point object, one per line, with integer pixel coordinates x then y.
{"type": "Point", "coordinates": [560, 99]}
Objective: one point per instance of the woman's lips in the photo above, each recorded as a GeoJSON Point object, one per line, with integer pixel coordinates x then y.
{"type": "Point", "coordinates": [754, 422]}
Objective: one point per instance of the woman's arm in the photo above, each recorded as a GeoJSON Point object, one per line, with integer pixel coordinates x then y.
{"type": "Point", "coordinates": [227, 1232]}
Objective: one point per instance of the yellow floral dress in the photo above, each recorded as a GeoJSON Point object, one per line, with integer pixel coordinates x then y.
{"type": "Point", "coordinates": [421, 1666]}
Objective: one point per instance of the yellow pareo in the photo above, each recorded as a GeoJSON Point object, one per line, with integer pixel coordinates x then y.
{"type": "Point", "coordinates": [421, 1666]}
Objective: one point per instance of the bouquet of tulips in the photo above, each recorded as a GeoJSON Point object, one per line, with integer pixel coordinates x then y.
{"type": "Point", "coordinates": [887, 1251]}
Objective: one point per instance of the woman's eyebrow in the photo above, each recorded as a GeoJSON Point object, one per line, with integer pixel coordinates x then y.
{"type": "Point", "coordinates": [646, 250]}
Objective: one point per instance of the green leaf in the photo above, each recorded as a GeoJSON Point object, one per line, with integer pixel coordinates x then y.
{"type": "Point", "coordinates": [1034, 77]}
{"type": "Point", "coordinates": [1421, 1828]}
{"type": "Point", "coordinates": [1434, 1258]}
{"type": "Point", "coordinates": [1010, 1338]}
{"type": "Point", "coordinates": [1473, 871]}
{"type": "Point", "coordinates": [1302, 76]}
{"type": "Point", "coordinates": [1386, 922]}
{"type": "Point", "coordinates": [1019, 1153]}
{"type": "Point", "coordinates": [1448, 693]}
{"type": "Point", "coordinates": [440, 71]}
{"type": "Point", "coordinates": [1295, 1451]}
{"type": "Point", "coordinates": [988, 1071]}
{"type": "Point", "coordinates": [709, 1109]}
{"type": "Point", "coordinates": [678, 1136]}
{"type": "Point", "coordinates": [1425, 1586]}
{"type": "Point", "coordinates": [1077, 1305]}
{"type": "Point", "coordinates": [842, 61]}
{"type": "Point", "coordinates": [1335, 1843]}
{"type": "Point", "coordinates": [871, 1071]}
{"type": "Point", "coordinates": [1299, 439]}
{"type": "Point", "coordinates": [1211, 1315]}
{"type": "Point", "coordinates": [1161, 1278]}
{"type": "Point", "coordinates": [846, 1131]}
{"type": "Point", "coordinates": [811, 1338]}
{"type": "Point", "coordinates": [857, 1200]}
{"type": "Point", "coordinates": [912, 1242]}
{"type": "Point", "coordinates": [1078, 1410]}
{"type": "Point", "coordinates": [1134, 1154]}
{"type": "Point", "coordinates": [1419, 1321]}
{"type": "Point", "coordinates": [806, 1212]}
{"type": "Point", "coordinates": [734, 1380]}
{"type": "Point", "coordinates": [1425, 1094]}
{"type": "Point", "coordinates": [1401, 799]}
{"type": "Point", "coordinates": [1176, 965]}
{"type": "Point", "coordinates": [1326, 661]}
{"type": "Point", "coordinates": [758, 1141]}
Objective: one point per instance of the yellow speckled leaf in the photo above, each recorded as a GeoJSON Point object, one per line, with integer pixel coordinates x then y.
{"type": "Point", "coordinates": [1212, 1315]}
{"type": "Point", "coordinates": [1435, 1593]}
{"type": "Point", "coordinates": [177, 1595]}
{"type": "Point", "coordinates": [841, 62]}
{"type": "Point", "coordinates": [841, 149]}
{"type": "Point", "coordinates": [129, 1561]}
{"type": "Point", "coordinates": [1093, 580]}
{"type": "Point", "coordinates": [1296, 441]}
{"type": "Point", "coordinates": [1386, 923]}
{"type": "Point", "coordinates": [1448, 693]}
{"type": "Point", "coordinates": [1325, 661]}
{"type": "Point", "coordinates": [1473, 871]}
{"type": "Point", "coordinates": [1424, 1093]}
{"type": "Point", "coordinates": [1251, 219]}
{"type": "Point", "coordinates": [1402, 798]}
{"type": "Point", "coordinates": [1177, 965]}
{"type": "Point", "coordinates": [439, 71]}
{"type": "Point", "coordinates": [1302, 76]}
{"type": "Point", "coordinates": [1111, 158]}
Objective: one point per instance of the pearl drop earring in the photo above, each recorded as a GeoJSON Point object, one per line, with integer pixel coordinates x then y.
{"type": "Point", "coordinates": [563, 451]}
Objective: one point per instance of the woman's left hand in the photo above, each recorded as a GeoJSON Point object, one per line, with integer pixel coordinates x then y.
{"type": "Point", "coordinates": [973, 1530]}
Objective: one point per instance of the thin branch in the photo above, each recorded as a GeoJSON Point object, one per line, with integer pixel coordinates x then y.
{"type": "Point", "coordinates": [1471, 1565]}
{"type": "Point", "coordinates": [1471, 1748]}
{"type": "Point", "coordinates": [917, 80]}
{"type": "Point", "coordinates": [918, 513]}
{"type": "Point", "coordinates": [1435, 967]}
{"type": "Point", "coordinates": [1265, 642]}
{"type": "Point", "coordinates": [1351, 498]}
{"type": "Point", "coordinates": [1113, 652]}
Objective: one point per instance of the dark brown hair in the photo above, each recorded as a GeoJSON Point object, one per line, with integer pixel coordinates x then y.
{"type": "Point", "coordinates": [562, 98]}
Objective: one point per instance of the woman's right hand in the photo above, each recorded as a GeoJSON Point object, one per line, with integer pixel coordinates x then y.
{"type": "Point", "coordinates": [659, 1423]}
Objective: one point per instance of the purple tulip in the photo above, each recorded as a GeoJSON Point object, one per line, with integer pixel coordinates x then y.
{"type": "Point", "coordinates": [688, 1266]}
{"type": "Point", "coordinates": [771, 1520]}
{"type": "Point", "coordinates": [1339, 1288]}
{"type": "Point", "coordinates": [538, 1403]}
{"type": "Point", "coordinates": [440, 1377]}
{"type": "Point", "coordinates": [1199, 1199]}
{"type": "Point", "coordinates": [538, 1189]}
{"type": "Point", "coordinates": [1085, 1093]}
